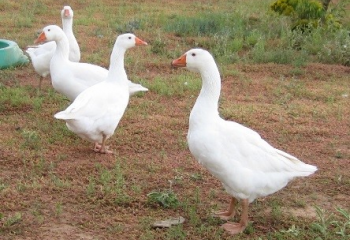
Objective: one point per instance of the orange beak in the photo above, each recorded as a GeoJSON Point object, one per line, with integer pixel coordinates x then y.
{"type": "Point", "coordinates": [41, 38]}
{"type": "Point", "coordinates": [139, 42]}
{"type": "Point", "coordinates": [180, 62]}
{"type": "Point", "coordinates": [66, 12]}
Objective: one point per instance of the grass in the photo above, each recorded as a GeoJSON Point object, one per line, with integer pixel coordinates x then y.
{"type": "Point", "coordinates": [274, 80]}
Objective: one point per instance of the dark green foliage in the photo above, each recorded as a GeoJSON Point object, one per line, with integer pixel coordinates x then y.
{"type": "Point", "coordinates": [305, 14]}
{"type": "Point", "coordinates": [303, 9]}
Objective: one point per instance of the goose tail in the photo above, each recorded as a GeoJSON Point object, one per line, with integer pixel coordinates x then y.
{"type": "Point", "coordinates": [63, 115]}
{"type": "Point", "coordinates": [302, 169]}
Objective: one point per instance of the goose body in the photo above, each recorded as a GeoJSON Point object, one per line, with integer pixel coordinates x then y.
{"type": "Point", "coordinates": [41, 55]}
{"type": "Point", "coordinates": [248, 166]}
{"type": "Point", "coordinates": [95, 113]}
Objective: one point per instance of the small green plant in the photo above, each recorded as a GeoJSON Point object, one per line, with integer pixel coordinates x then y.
{"type": "Point", "coordinates": [193, 216]}
{"type": "Point", "coordinates": [159, 47]}
{"type": "Point", "coordinates": [292, 230]}
{"type": "Point", "coordinates": [167, 198]}
{"type": "Point", "coordinates": [177, 233]}
{"type": "Point", "coordinates": [328, 226]}
{"type": "Point", "coordinates": [343, 228]}
{"type": "Point", "coordinates": [59, 209]}
{"type": "Point", "coordinates": [31, 139]}
{"type": "Point", "coordinates": [11, 220]}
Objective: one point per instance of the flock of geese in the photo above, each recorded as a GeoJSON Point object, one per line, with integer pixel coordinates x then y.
{"type": "Point", "coordinates": [247, 165]}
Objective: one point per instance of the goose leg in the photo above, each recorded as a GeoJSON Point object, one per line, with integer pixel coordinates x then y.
{"type": "Point", "coordinates": [97, 147]}
{"type": "Point", "coordinates": [230, 213]}
{"type": "Point", "coordinates": [235, 228]}
{"type": "Point", "coordinates": [40, 81]}
{"type": "Point", "coordinates": [102, 148]}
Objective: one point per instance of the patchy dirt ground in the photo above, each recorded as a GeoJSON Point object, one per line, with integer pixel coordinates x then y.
{"type": "Point", "coordinates": [49, 186]}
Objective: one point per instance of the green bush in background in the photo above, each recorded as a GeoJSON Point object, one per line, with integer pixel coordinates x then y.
{"type": "Point", "coordinates": [306, 14]}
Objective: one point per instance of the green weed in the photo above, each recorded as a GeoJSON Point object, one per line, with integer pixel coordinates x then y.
{"type": "Point", "coordinates": [177, 233]}
{"type": "Point", "coordinates": [166, 199]}
{"type": "Point", "coordinates": [58, 209]}
{"type": "Point", "coordinates": [329, 227]}
{"type": "Point", "coordinates": [31, 139]}
{"type": "Point", "coordinates": [11, 220]}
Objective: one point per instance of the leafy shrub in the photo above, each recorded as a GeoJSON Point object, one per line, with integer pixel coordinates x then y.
{"type": "Point", "coordinates": [305, 14]}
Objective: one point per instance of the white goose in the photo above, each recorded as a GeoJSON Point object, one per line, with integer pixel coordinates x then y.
{"type": "Point", "coordinates": [71, 78]}
{"type": "Point", "coordinates": [95, 113]}
{"type": "Point", "coordinates": [41, 55]}
{"type": "Point", "coordinates": [247, 165]}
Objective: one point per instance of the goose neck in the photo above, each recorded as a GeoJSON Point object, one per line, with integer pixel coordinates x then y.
{"type": "Point", "coordinates": [62, 48]}
{"type": "Point", "coordinates": [205, 109]}
{"type": "Point", "coordinates": [211, 87]}
{"type": "Point", "coordinates": [116, 67]}
{"type": "Point", "coordinates": [67, 25]}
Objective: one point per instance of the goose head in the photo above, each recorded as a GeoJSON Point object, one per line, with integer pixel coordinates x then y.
{"type": "Point", "coordinates": [196, 60]}
{"type": "Point", "coordinates": [129, 40]}
{"type": "Point", "coordinates": [67, 12]}
{"type": "Point", "coordinates": [50, 33]}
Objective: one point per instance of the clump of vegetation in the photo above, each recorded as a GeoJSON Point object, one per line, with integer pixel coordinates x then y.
{"type": "Point", "coordinates": [13, 98]}
{"type": "Point", "coordinates": [31, 139]}
{"type": "Point", "coordinates": [158, 47]}
{"type": "Point", "coordinates": [328, 226]}
{"type": "Point", "coordinates": [166, 199]}
{"type": "Point", "coordinates": [305, 14]}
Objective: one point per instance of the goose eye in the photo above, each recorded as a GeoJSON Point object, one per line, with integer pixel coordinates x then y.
{"type": "Point", "coordinates": [193, 54]}
{"type": "Point", "coordinates": [49, 30]}
{"type": "Point", "coordinates": [129, 37]}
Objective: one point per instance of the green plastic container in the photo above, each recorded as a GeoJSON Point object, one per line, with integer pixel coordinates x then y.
{"type": "Point", "coordinates": [11, 54]}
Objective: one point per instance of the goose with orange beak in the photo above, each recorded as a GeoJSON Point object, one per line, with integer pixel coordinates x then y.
{"type": "Point", "coordinates": [95, 113]}
{"type": "Point", "coordinates": [248, 166]}
{"type": "Point", "coordinates": [41, 55]}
